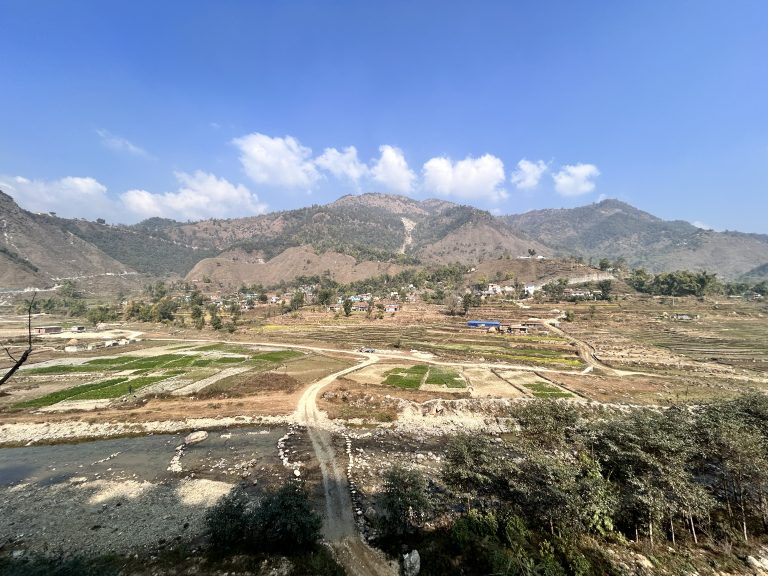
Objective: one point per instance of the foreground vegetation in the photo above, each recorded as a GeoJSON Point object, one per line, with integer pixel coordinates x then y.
{"type": "Point", "coordinates": [572, 483]}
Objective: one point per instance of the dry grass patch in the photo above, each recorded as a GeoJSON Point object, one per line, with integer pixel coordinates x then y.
{"type": "Point", "coordinates": [251, 383]}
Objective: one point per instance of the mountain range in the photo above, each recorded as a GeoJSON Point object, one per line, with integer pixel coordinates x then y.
{"type": "Point", "coordinates": [356, 237]}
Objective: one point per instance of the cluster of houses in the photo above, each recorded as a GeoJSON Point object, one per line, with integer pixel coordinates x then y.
{"type": "Point", "coordinates": [360, 302]}
{"type": "Point", "coordinates": [521, 328]}
{"type": "Point", "coordinates": [530, 289]}
{"type": "Point", "coordinates": [363, 302]}
{"type": "Point", "coordinates": [56, 329]}
{"type": "Point", "coordinates": [581, 294]}
{"type": "Point", "coordinates": [75, 345]}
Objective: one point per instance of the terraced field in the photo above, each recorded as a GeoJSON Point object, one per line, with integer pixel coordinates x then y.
{"type": "Point", "coordinates": [741, 343]}
{"type": "Point", "coordinates": [720, 336]}
{"type": "Point", "coordinates": [421, 375]}
{"type": "Point", "coordinates": [447, 341]}
{"type": "Point", "coordinates": [117, 376]}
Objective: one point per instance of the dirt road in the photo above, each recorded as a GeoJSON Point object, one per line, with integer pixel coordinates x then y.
{"type": "Point", "coordinates": [339, 525]}
{"type": "Point", "coordinates": [587, 354]}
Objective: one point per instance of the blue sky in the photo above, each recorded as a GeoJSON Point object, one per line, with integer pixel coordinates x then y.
{"type": "Point", "coordinates": [220, 109]}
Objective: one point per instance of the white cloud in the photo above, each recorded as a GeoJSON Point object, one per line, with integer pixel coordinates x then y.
{"type": "Point", "coordinates": [70, 197]}
{"type": "Point", "coordinates": [120, 144]}
{"type": "Point", "coordinates": [528, 174]}
{"type": "Point", "coordinates": [575, 179]}
{"type": "Point", "coordinates": [200, 195]}
{"type": "Point", "coordinates": [282, 162]}
{"type": "Point", "coordinates": [392, 171]}
{"type": "Point", "coordinates": [344, 164]}
{"type": "Point", "coordinates": [471, 178]}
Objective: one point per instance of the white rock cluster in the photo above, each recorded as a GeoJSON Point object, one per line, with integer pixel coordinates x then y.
{"type": "Point", "coordinates": [353, 492]}
{"type": "Point", "coordinates": [283, 453]}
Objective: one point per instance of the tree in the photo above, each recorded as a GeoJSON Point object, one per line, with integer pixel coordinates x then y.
{"type": "Point", "coordinates": [347, 306]}
{"type": "Point", "coordinates": [77, 308]}
{"type": "Point", "coordinates": [546, 424]}
{"type": "Point", "coordinates": [156, 291]}
{"type": "Point", "coordinates": [101, 314]}
{"type": "Point", "coordinates": [215, 321]}
{"type": "Point", "coordinates": [604, 264]}
{"type": "Point", "coordinates": [605, 287]}
{"type": "Point", "coordinates": [24, 355]}
{"type": "Point", "coordinates": [734, 438]}
{"type": "Point", "coordinates": [640, 280]}
{"type": "Point", "coordinates": [560, 494]}
{"type": "Point", "coordinates": [196, 312]}
{"type": "Point", "coordinates": [49, 305]}
{"type": "Point", "coordinates": [554, 290]}
{"type": "Point", "coordinates": [196, 298]}
{"type": "Point", "coordinates": [451, 301]}
{"type": "Point", "coordinates": [404, 500]}
{"type": "Point", "coordinates": [531, 252]}
{"type": "Point", "coordinates": [164, 309]}
{"type": "Point", "coordinates": [68, 290]}
{"type": "Point", "coordinates": [466, 302]}
{"type": "Point", "coordinates": [326, 296]}
{"type": "Point", "coordinates": [234, 311]}
{"type": "Point", "coordinates": [470, 465]}
{"type": "Point", "coordinates": [297, 300]}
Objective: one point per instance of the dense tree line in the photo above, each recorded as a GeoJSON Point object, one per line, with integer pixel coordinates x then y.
{"type": "Point", "coordinates": [543, 500]}
{"type": "Point", "coordinates": [687, 283]}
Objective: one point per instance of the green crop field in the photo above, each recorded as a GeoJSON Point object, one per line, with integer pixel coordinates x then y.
{"type": "Point", "coordinates": [409, 378]}
{"type": "Point", "coordinates": [444, 377]}
{"type": "Point", "coordinates": [278, 356]}
{"type": "Point", "coordinates": [61, 395]}
{"type": "Point", "coordinates": [118, 388]}
{"type": "Point", "coordinates": [543, 389]}
{"type": "Point", "coordinates": [64, 369]}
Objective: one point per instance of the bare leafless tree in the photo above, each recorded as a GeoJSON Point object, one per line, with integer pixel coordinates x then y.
{"type": "Point", "coordinates": [27, 352]}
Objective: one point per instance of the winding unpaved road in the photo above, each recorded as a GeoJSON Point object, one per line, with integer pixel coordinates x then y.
{"type": "Point", "coordinates": [358, 558]}
{"type": "Point", "coordinates": [587, 353]}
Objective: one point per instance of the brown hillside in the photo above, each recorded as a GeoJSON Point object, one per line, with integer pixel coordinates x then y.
{"type": "Point", "coordinates": [476, 242]}
{"type": "Point", "coordinates": [236, 268]}
{"type": "Point", "coordinates": [36, 242]}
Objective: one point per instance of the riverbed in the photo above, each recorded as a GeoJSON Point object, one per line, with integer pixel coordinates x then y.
{"type": "Point", "coordinates": [119, 496]}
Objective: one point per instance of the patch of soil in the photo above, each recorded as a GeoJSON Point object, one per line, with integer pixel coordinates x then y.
{"type": "Point", "coordinates": [347, 399]}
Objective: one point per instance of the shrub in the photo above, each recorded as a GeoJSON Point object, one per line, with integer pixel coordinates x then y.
{"type": "Point", "coordinates": [404, 500]}
{"type": "Point", "coordinates": [284, 520]}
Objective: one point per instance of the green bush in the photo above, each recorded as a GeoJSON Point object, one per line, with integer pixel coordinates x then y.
{"type": "Point", "coordinates": [404, 501]}
{"type": "Point", "coordinates": [284, 520]}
